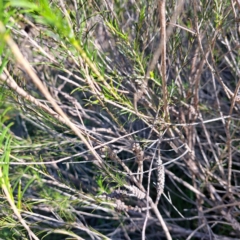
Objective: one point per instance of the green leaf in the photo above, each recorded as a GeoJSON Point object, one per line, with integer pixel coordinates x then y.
{"type": "Point", "coordinates": [23, 4]}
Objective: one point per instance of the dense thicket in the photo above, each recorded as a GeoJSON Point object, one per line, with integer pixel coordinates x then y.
{"type": "Point", "coordinates": [119, 119]}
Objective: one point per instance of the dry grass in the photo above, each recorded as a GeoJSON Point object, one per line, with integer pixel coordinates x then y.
{"type": "Point", "coordinates": [126, 120]}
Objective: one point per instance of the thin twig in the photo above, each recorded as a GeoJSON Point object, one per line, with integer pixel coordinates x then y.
{"type": "Point", "coordinates": [162, 20]}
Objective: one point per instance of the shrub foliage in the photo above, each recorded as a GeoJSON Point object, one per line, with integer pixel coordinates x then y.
{"type": "Point", "coordinates": [119, 119]}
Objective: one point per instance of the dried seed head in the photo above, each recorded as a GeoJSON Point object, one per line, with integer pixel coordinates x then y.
{"type": "Point", "coordinates": [160, 179]}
